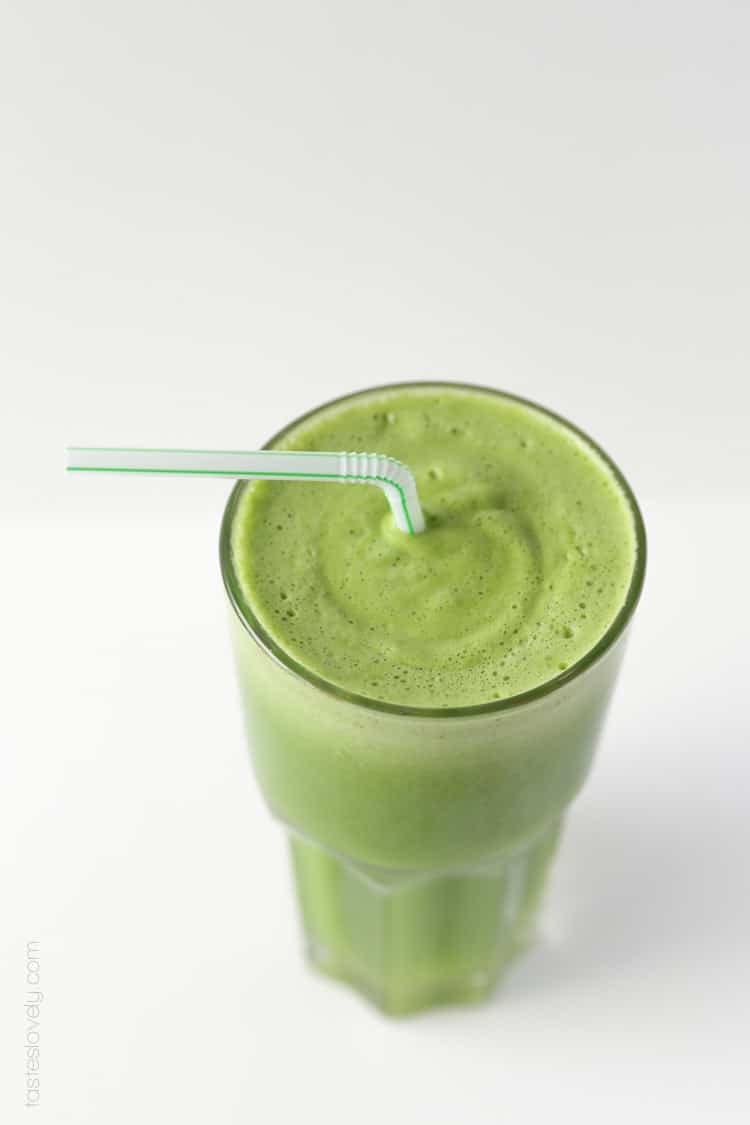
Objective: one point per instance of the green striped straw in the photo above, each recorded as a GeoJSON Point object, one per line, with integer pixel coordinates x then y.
{"type": "Point", "coordinates": [393, 477]}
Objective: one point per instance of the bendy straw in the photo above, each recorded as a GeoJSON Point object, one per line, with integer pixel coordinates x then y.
{"type": "Point", "coordinates": [393, 477]}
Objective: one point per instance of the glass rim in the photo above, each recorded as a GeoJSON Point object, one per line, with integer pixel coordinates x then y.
{"type": "Point", "coordinates": [513, 702]}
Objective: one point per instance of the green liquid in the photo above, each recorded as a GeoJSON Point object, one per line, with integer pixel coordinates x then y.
{"type": "Point", "coordinates": [527, 557]}
{"type": "Point", "coordinates": [421, 838]}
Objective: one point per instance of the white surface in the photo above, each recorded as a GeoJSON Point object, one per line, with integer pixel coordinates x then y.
{"type": "Point", "coordinates": [216, 217]}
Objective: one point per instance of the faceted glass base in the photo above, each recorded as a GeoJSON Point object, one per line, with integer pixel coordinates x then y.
{"type": "Point", "coordinates": [413, 941]}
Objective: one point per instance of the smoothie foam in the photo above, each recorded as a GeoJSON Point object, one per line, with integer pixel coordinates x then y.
{"type": "Point", "coordinates": [527, 557]}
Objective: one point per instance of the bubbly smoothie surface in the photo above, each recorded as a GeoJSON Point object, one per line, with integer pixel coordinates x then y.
{"type": "Point", "coordinates": [526, 560]}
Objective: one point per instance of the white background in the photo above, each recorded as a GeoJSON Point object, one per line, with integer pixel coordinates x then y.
{"type": "Point", "coordinates": [214, 217]}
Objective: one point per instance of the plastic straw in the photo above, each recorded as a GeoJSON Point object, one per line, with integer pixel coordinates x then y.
{"type": "Point", "coordinates": [393, 477]}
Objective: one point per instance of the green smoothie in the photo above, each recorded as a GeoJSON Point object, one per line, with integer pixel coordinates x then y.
{"type": "Point", "coordinates": [421, 710]}
{"type": "Point", "coordinates": [526, 560]}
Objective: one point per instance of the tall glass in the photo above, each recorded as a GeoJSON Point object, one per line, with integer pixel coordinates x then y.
{"type": "Point", "coordinates": [420, 839]}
